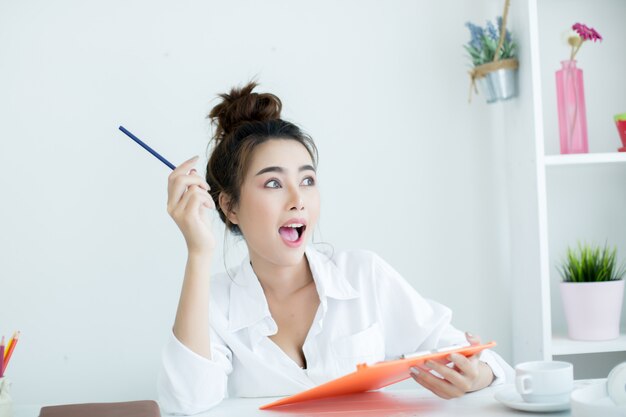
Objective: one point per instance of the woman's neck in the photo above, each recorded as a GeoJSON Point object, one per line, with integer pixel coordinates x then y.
{"type": "Point", "coordinates": [281, 281]}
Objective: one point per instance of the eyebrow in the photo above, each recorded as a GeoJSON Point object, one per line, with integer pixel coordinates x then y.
{"type": "Point", "coordinates": [282, 170]}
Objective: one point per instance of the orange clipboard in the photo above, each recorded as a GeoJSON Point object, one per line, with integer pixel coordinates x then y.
{"type": "Point", "coordinates": [374, 376]}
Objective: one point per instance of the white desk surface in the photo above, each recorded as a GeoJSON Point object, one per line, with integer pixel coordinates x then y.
{"type": "Point", "coordinates": [396, 403]}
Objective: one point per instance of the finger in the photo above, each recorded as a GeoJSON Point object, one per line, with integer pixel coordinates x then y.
{"type": "Point", "coordinates": [183, 168]}
{"type": "Point", "coordinates": [194, 211]}
{"type": "Point", "coordinates": [472, 339]}
{"type": "Point", "coordinates": [193, 194]}
{"type": "Point", "coordinates": [200, 198]}
{"type": "Point", "coordinates": [210, 204]}
{"type": "Point", "coordinates": [455, 378]}
{"type": "Point", "coordinates": [191, 178]}
{"type": "Point", "coordinates": [438, 386]}
{"type": "Point", "coordinates": [441, 360]}
{"type": "Point", "coordinates": [179, 194]}
{"type": "Point", "coordinates": [197, 179]}
{"type": "Point", "coordinates": [177, 189]}
{"type": "Point", "coordinates": [204, 184]}
{"type": "Point", "coordinates": [467, 366]}
{"type": "Point", "coordinates": [419, 376]}
{"type": "Point", "coordinates": [199, 203]}
{"type": "Point", "coordinates": [178, 207]}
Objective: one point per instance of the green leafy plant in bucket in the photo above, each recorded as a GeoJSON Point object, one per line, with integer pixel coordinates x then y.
{"type": "Point", "coordinates": [591, 264]}
{"type": "Point", "coordinates": [483, 44]}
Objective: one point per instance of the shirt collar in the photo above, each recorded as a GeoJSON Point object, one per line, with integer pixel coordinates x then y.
{"type": "Point", "coordinates": [248, 305]}
{"type": "Point", "coordinates": [329, 279]}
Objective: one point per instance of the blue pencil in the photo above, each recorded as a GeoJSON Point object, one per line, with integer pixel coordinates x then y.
{"type": "Point", "coordinates": [147, 148]}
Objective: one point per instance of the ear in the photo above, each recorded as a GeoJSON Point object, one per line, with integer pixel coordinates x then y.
{"type": "Point", "coordinates": [231, 215]}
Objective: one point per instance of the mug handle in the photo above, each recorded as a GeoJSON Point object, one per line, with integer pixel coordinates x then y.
{"type": "Point", "coordinates": [520, 384]}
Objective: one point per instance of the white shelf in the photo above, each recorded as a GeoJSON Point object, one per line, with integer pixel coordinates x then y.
{"type": "Point", "coordinates": [562, 345]}
{"type": "Point", "coordinates": [585, 158]}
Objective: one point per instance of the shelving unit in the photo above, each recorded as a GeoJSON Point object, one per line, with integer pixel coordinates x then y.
{"type": "Point", "coordinates": [556, 200]}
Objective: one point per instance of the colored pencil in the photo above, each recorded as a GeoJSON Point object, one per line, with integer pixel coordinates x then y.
{"type": "Point", "coordinates": [147, 148]}
{"type": "Point", "coordinates": [9, 352]}
{"type": "Point", "coordinates": [8, 345]}
{"type": "Point", "coordinates": [2, 357]}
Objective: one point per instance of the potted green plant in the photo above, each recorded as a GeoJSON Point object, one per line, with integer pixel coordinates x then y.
{"type": "Point", "coordinates": [492, 52]}
{"type": "Point", "coordinates": [592, 291]}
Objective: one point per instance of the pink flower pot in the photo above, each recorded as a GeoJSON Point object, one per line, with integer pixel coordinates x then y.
{"type": "Point", "coordinates": [593, 309]}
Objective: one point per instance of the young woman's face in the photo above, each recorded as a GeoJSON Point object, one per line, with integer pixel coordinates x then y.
{"type": "Point", "coordinates": [279, 203]}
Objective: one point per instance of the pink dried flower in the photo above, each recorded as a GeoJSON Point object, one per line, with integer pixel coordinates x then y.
{"type": "Point", "coordinates": [596, 35]}
{"type": "Point", "coordinates": [585, 33]}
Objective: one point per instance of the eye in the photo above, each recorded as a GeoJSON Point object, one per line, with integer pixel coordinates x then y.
{"type": "Point", "coordinates": [272, 184]}
{"type": "Point", "coordinates": [308, 181]}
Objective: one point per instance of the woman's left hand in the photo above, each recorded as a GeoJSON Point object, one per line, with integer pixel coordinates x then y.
{"type": "Point", "coordinates": [468, 374]}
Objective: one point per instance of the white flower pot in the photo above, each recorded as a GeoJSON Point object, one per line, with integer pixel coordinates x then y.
{"type": "Point", "coordinates": [593, 309]}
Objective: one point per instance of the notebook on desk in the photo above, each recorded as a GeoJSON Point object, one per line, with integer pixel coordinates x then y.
{"type": "Point", "coordinates": [375, 376]}
{"type": "Point", "coordinates": [119, 409]}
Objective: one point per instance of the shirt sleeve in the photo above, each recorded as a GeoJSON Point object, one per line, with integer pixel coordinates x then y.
{"type": "Point", "coordinates": [502, 371]}
{"type": "Point", "coordinates": [189, 383]}
{"type": "Point", "coordinates": [412, 323]}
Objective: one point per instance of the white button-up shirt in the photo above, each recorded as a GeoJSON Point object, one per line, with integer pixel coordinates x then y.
{"type": "Point", "coordinates": [367, 313]}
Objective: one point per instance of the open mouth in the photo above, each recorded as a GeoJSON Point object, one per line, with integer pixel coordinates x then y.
{"type": "Point", "coordinates": [292, 232]}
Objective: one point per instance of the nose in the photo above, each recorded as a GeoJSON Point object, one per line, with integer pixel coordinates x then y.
{"type": "Point", "coordinates": [295, 200]}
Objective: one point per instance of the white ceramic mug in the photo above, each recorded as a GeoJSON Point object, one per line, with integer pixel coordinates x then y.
{"type": "Point", "coordinates": [544, 381]}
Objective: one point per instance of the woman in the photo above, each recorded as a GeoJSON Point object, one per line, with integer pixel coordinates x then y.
{"type": "Point", "coordinates": [292, 317]}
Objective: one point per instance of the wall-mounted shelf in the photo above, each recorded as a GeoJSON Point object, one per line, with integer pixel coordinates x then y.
{"type": "Point", "coordinates": [585, 159]}
{"type": "Point", "coordinates": [561, 345]}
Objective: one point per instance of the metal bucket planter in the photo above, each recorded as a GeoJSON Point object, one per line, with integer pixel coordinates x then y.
{"type": "Point", "coordinates": [486, 88]}
{"type": "Point", "coordinates": [496, 80]}
{"type": "Point", "coordinates": [504, 82]}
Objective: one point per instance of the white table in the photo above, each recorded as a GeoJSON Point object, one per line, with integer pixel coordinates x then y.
{"type": "Point", "coordinates": [400, 403]}
{"type": "Point", "coordinates": [397, 403]}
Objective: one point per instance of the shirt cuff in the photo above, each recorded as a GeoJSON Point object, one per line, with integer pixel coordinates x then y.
{"type": "Point", "coordinates": [502, 371]}
{"type": "Point", "coordinates": [190, 383]}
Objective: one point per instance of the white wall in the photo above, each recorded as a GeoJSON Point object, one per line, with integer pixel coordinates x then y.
{"type": "Point", "coordinates": [91, 264]}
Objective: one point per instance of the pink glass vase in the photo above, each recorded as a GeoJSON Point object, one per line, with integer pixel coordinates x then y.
{"type": "Point", "coordinates": [570, 95]}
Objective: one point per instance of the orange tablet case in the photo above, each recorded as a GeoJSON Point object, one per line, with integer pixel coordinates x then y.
{"type": "Point", "coordinates": [371, 377]}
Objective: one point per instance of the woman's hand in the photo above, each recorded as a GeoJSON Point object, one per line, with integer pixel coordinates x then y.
{"type": "Point", "coordinates": [189, 202]}
{"type": "Point", "coordinates": [468, 374]}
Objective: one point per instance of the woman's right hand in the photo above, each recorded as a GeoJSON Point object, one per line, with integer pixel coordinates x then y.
{"type": "Point", "coordinates": [189, 202]}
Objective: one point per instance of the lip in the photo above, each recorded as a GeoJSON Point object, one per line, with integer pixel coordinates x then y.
{"type": "Point", "coordinates": [294, 220]}
{"type": "Point", "coordinates": [295, 243]}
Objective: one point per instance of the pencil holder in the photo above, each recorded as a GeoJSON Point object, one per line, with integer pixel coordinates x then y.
{"type": "Point", "coordinates": [6, 404]}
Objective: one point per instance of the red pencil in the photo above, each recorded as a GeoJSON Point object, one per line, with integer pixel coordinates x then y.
{"type": "Point", "coordinates": [10, 349]}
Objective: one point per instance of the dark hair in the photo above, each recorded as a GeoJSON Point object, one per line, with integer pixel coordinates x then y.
{"type": "Point", "coordinates": [243, 120]}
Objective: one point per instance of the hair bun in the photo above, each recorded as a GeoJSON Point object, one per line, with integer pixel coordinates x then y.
{"type": "Point", "coordinates": [242, 106]}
